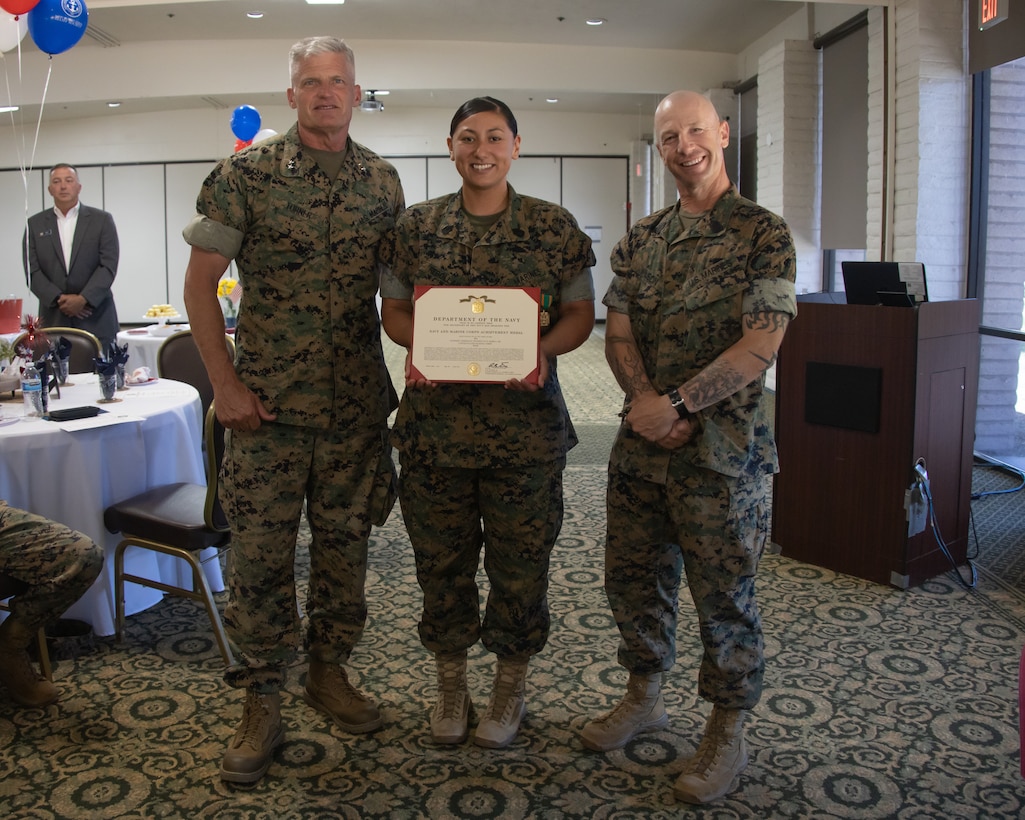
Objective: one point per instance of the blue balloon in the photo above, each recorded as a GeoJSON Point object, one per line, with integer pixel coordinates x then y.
{"type": "Point", "coordinates": [245, 122]}
{"type": "Point", "coordinates": [57, 25]}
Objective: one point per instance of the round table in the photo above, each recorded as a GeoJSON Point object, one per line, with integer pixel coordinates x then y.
{"type": "Point", "coordinates": [72, 471]}
{"type": "Point", "coordinates": [144, 342]}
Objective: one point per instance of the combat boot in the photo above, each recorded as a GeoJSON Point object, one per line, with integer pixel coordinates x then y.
{"type": "Point", "coordinates": [721, 756]}
{"type": "Point", "coordinates": [506, 708]}
{"type": "Point", "coordinates": [252, 748]}
{"type": "Point", "coordinates": [25, 685]}
{"type": "Point", "coordinates": [450, 720]}
{"type": "Point", "coordinates": [642, 709]}
{"type": "Point", "coordinates": [328, 690]}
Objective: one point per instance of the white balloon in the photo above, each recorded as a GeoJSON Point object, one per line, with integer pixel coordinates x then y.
{"type": "Point", "coordinates": [12, 31]}
{"type": "Point", "coordinates": [264, 133]}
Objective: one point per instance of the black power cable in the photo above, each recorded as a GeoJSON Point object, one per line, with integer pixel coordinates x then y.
{"type": "Point", "coordinates": [922, 478]}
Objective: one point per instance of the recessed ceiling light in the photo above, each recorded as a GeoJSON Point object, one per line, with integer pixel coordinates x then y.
{"type": "Point", "coordinates": [591, 21]}
{"type": "Point", "coordinates": [325, 2]}
{"type": "Point", "coordinates": [552, 99]}
{"type": "Point", "coordinates": [254, 15]}
{"type": "Point", "coordinates": [113, 104]}
{"type": "Point", "coordinates": [7, 109]}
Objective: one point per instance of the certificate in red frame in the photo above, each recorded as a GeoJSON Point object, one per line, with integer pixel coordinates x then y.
{"type": "Point", "coordinates": [476, 335]}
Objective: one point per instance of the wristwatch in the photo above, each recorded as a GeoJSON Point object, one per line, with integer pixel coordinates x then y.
{"type": "Point", "coordinates": [677, 401]}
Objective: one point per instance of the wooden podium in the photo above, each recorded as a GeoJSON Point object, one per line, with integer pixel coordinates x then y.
{"type": "Point", "coordinates": [863, 393]}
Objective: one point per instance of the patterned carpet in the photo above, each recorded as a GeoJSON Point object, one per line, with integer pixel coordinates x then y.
{"type": "Point", "coordinates": [879, 703]}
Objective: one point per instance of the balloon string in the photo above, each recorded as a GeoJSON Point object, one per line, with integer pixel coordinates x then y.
{"type": "Point", "coordinates": [18, 138]}
{"type": "Point", "coordinates": [42, 105]}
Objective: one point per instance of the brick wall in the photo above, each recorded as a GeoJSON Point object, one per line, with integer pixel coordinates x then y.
{"type": "Point", "coordinates": [789, 159]}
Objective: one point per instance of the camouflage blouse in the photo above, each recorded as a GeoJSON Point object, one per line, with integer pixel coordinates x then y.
{"type": "Point", "coordinates": [308, 341]}
{"type": "Point", "coordinates": [685, 293]}
{"type": "Point", "coordinates": [533, 244]}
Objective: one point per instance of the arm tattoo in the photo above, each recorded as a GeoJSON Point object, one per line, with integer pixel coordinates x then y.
{"type": "Point", "coordinates": [771, 320]}
{"type": "Point", "coordinates": [720, 379]}
{"type": "Point", "coordinates": [627, 366]}
{"type": "Point", "coordinates": [714, 383]}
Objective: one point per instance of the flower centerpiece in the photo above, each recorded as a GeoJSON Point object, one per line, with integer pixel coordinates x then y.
{"type": "Point", "coordinates": [6, 352]}
{"type": "Point", "coordinates": [225, 289]}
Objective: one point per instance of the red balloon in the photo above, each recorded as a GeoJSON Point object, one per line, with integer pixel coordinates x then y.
{"type": "Point", "coordinates": [240, 144]}
{"type": "Point", "coordinates": [18, 6]}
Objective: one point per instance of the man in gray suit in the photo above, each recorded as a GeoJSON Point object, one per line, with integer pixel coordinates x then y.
{"type": "Point", "coordinates": [71, 260]}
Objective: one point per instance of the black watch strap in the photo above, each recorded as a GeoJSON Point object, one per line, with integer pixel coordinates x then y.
{"type": "Point", "coordinates": [677, 401]}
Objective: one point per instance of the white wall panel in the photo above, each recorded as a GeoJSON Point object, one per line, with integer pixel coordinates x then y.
{"type": "Point", "coordinates": [182, 182]}
{"type": "Point", "coordinates": [596, 194]}
{"type": "Point", "coordinates": [133, 197]}
{"type": "Point", "coordinates": [20, 197]}
{"type": "Point", "coordinates": [413, 173]}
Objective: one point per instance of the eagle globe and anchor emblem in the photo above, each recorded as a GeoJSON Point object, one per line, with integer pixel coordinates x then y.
{"type": "Point", "coordinates": [477, 302]}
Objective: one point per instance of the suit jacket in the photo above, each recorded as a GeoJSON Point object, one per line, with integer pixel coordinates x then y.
{"type": "Point", "coordinates": [94, 257]}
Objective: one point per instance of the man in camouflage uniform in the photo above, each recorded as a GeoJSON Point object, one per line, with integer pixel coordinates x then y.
{"type": "Point", "coordinates": [307, 399]}
{"type": "Point", "coordinates": [482, 463]}
{"type": "Point", "coordinates": [53, 566]}
{"type": "Point", "coordinates": [703, 293]}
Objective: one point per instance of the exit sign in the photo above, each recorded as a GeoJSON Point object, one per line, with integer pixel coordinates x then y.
{"type": "Point", "coordinates": [992, 12]}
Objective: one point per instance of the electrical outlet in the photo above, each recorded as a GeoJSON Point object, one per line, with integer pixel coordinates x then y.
{"type": "Point", "coordinates": [917, 509]}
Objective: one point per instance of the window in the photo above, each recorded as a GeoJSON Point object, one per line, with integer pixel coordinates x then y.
{"type": "Point", "coordinates": [997, 264]}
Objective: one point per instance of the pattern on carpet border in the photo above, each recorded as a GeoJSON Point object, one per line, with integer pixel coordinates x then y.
{"type": "Point", "coordinates": [879, 703]}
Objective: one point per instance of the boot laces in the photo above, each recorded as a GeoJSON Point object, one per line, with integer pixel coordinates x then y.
{"type": "Point", "coordinates": [713, 746]}
{"type": "Point", "coordinates": [254, 716]}
{"type": "Point", "coordinates": [623, 711]}
{"type": "Point", "coordinates": [337, 682]}
{"type": "Point", "coordinates": [504, 696]}
{"type": "Point", "coordinates": [451, 687]}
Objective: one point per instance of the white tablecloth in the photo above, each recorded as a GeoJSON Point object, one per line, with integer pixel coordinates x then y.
{"type": "Point", "coordinates": [72, 471]}
{"type": "Point", "coordinates": [143, 347]}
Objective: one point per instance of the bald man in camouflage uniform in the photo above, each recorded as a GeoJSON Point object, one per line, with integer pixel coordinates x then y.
{"type": "Point", "coordinates": [307, 400]}
{"type": "Point", "coordinates": [53, 566]}
{"type": "Point", "coordinates": [702, 295]}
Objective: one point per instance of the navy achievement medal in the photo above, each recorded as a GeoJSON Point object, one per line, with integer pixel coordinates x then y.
{"type": "Point", "coordinates": [546, 302]}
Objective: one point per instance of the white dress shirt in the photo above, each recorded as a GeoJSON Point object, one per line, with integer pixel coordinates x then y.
{"type": "Point", "coordinates": [66, 227]}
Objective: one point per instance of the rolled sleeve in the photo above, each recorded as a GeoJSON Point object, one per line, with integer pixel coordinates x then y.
{"type": "Point", "coordinates": [202, 232]}
{"type": "Point", "coordinates": [615, 297]}
{"type": "Point", "coordinates": [578, 289]}
{"type": "Point", "coordinates": [775, 295]}
{"type": "Point", "coordinates": [394, 288]}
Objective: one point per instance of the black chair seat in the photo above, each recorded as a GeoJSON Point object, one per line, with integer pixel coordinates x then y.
{"type": "Point", "coordinates": [179, 520]}
{"type": "Point", "coordinates": [171, 514]}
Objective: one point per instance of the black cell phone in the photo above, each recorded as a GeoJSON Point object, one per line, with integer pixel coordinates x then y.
{"type": "Point", "coordinates": [69, 413]}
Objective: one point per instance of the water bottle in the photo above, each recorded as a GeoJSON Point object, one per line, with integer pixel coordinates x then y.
{"type": "Point", "coordinates": [32, 390]}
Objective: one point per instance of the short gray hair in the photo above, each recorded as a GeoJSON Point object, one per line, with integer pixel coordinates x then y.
{"type": "Point", "coordinates": [311, 46]}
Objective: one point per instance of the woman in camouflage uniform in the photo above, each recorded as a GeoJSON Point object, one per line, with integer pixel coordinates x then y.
{"type": "Point", "coordinates": [481, 464]}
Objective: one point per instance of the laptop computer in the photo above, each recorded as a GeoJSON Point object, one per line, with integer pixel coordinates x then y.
{"type": "Point", "coordinates": [884, 283]}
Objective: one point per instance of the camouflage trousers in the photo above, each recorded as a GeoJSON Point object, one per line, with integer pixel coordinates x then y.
{"type": "Point", "coordinates": [515, 515]}
{"type": "Point", "coordinates": [53, 564]}
{"type": "Point", "coordinates": [714, 527]}
{"type": "Point", "coordinates": [265, 477]}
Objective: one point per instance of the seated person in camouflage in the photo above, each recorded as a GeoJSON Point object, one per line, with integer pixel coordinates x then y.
{"type": "Point", "coordinates": [54, 566]}
{"type": "Point", "coordinates": [307, 399]}
{"type": "Point", "coordinates": [482, 463]}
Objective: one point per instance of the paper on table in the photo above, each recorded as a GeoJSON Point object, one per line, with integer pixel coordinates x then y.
{"type": "Point", "coordinates": [102, 420]}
